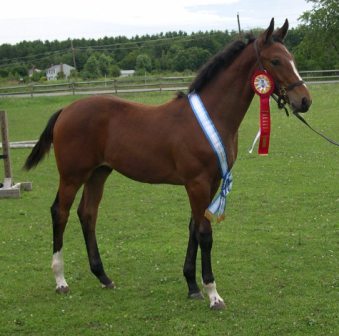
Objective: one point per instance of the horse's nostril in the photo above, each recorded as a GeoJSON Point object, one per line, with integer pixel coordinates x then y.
{"type": "Point", "coordinates": [305, 104]}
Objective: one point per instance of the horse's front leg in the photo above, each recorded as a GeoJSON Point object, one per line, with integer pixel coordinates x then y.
{"type": "Point", "coordinates": [190, 263]}
{"type": "Point", "coordinates": [210, 287]}
{"type": "Point", "coordinates": [200, 195]}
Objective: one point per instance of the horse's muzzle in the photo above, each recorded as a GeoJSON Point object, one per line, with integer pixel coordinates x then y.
{"type": "Point", "coordinates": [303, 106]}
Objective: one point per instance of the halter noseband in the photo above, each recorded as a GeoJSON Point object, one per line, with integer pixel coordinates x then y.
{"type": "Point", "coordinates": [281, 97]}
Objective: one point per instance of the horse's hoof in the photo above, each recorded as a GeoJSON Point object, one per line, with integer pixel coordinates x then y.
{"type": "Point", "coordinates": [218, 305]}
{"type": "Point", "coordinates": [62, 290]}
{"type": "Point", "coordinates": [108, 286]}
{"type": "Point", "coordinates": [196, 296]}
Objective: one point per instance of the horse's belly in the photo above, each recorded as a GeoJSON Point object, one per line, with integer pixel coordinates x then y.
{"type": "Point", "coordinates": [145, 166]}
{"type": "Point", "coordinates": [148, 173]}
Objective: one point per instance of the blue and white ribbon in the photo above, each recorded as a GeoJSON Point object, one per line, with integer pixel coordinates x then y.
{"type": "Point", "coordinates": [218, 205]}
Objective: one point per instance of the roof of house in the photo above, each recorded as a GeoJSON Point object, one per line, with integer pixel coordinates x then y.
{"type": "Point", "coordinates": [57, 66]}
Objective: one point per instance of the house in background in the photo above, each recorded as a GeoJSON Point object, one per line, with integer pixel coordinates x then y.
{"type": "Point", "coordinates": [127, 73]}
{"type": "Point", "coordinates": [54, 70]}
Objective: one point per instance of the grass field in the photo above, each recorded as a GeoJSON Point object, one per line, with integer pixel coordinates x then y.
{"type": "Point", "coordinates": [275, 255]}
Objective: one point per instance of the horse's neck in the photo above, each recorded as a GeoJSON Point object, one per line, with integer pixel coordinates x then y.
{"type": "Point", "coordinates": [228, 98]}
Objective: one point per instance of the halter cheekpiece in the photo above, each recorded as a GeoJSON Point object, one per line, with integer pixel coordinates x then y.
{"type": "Point", "coordinates": [280, 92]}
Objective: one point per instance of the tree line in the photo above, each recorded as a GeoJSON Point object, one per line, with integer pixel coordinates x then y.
{"type": "Point", "coordinates": [314, 44]}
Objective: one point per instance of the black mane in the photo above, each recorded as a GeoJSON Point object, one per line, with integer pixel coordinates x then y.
{"type": "Point", "coordinates": [221, 60]}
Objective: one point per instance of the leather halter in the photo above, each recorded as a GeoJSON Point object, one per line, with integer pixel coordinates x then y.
{"type": "Point", "coordinates": [281, 96]}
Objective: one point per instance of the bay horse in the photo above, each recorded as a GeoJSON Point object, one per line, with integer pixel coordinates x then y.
{"type": "Point", "coordinates": [162, 144]}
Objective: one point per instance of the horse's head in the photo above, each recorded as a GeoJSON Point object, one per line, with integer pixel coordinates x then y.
{"type": "Point", "coordinates": [278, 61]}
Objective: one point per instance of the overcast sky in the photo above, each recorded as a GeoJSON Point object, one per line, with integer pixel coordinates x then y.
{"type": "Point", "coordinates": [58, 20]}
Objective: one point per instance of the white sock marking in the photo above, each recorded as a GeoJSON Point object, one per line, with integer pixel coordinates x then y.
{"type": "Point", "coordinates": [58, 270]}
{"type": "Point", "coordinates": [211, 290]}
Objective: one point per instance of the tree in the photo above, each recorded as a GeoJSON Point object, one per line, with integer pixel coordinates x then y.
{"type": "Point", "coordinates": [104, 63]}
{"type": "Point", "coordinates": [190, 59]}
{"type": "Point", "coordinates": [36, 76]}
{"type": "Point", "coordinates": [198, 56]}
{"type": "Point", "coordinates": [19, 71]}
{"type": "Point", "coordinates": [320, 46]}
{"type": "Point", "coordinates": [4, 73]}
{"type": "Point", "coordinates": [143, 64]}
{"type": "Point", "coordinates": [91, 68]}
{"type": "Point", "coordinates": [114, 70]}
{"type": "Point", "coordinates": [181, 61]}
{"type": "Point", "coordinates": [129, 61]}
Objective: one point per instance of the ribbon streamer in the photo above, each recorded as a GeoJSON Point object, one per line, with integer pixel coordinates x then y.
{"type": "Point", "coordinates": [265, 125]}
{"type": "Point", "coordinates": [254, 142]}
{"type": "Point", "coordinates": [218, 205]}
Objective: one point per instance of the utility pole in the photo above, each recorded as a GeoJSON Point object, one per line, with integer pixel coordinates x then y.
{"type": "Point", "coordinates": [73, 53]}
{"type": "Point", "coordinates": [239, 28]}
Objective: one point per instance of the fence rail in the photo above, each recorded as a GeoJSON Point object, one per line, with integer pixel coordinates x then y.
{"type": "Point", "coordinates": [145, 84]}
{"type": "Point", "coordinates": [102, 86]}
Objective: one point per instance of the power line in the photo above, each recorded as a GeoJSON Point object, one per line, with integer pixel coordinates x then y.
{"type": "Point", "coordinates": [137, 43]}
{"type": "Point", "coordinates": [46, 54]}
{"type": "Point", "coordinates": [120, 46]}
{"type": "Point", "coordinates": [33, 59]}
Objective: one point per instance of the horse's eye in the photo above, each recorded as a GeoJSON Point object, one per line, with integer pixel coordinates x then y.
{"type": "Point", "coordinates": [275, 62]}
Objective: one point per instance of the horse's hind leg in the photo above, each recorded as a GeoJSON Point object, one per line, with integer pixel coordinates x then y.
{"type": "Point", "coordinates": [60, 212]}
{"type": "Point", "coordinates": [87, 212]}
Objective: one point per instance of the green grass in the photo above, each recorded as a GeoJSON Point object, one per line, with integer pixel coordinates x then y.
{"type": "Point", "coordinates": [275, 256]}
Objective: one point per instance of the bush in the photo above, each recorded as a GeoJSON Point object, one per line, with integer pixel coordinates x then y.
{"type": "Point", "coordinates": [36, 76]}
{"type": "Point", "coordinates": [114, 70]}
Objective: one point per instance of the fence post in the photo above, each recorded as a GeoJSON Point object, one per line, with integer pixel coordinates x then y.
{"type": "Point", "coordinates": [5, 146]}
{"type": "Point", "coordinates": [115, 86]}
{"type": "Point", "coordinates": [8, 189]}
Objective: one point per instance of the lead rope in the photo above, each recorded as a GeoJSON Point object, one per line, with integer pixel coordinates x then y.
{"type": "Point", "coordinates": [315, 131]}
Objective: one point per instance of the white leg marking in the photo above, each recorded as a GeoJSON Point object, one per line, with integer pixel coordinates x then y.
{"type": "Point", "coordinates": [215, 299]}
{"type": "Point", "coordinates": [58, 270]}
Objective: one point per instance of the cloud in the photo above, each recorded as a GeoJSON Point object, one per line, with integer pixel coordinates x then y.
{"type": "Point", "coordinates": [103, 9]}
{"type": "Point", "coordinates": [43, 19]}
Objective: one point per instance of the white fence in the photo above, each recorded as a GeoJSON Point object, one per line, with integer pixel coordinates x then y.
{"type": "Point", "coordinates": [320, 76]}
{"type": "Point", "coordinates": [136, 84]}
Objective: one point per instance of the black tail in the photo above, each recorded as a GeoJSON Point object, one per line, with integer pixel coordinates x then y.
{"type": "Point", "coordinates": [43, 145]}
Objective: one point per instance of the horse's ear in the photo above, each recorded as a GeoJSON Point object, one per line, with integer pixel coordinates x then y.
{"type": "Point", "coordinates": [266, 35]}
{"type": "Point", "coordinates": [282, 32]}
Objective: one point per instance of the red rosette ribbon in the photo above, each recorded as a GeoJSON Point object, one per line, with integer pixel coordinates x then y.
{"type": "Point", "coordinates": [263, 85]}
